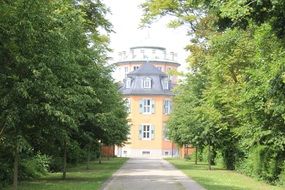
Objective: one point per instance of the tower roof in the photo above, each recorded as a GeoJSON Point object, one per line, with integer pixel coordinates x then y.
{"type": "Point", "coordinates": [147, 69]}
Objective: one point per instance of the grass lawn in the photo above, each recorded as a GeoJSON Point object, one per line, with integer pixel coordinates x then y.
{"type": "Point", "coordinates": [219, 179]}
{"type": "Point", "coordinates": [78, 178]}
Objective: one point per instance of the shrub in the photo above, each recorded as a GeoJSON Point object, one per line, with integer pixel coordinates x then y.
{"type": "Point", "coordinates": [34, 167]}
{"type": "Point", "coordinates": [282, 176]}
{"type": "Point", "coordinates": [5, 174]}
{"type": "Point", "coordinates": [261, 162]}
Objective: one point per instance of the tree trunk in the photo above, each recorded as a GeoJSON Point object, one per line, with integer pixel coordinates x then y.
{"type": "Point", "coordinates": [64, 161]}
{"type": "Point", "coordinates": [100, 159]}
{"type": "Point", "coordinates": [209, 156]}
{"type": "Point", "coordinates": [16, 168]}
{"type": "Point", "coordinates": [196, 156]}
{"type": "Point", "coordinates": [88, 159]}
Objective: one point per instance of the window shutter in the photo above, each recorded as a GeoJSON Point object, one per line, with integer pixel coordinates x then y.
{"type": "Point", "coordinates": [140, 132]}
{"type": "Point", "coordinates": [152, 106]}
{"type": "Point", "coordinates": [141, 106]}
{"type": "Point", "coordinates": [170, 106]}
{"type": "Point", "coordinates": [152, 132]}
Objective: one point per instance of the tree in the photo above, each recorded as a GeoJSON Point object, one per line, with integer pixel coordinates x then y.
{"type": "Point", "coordinates": [239, 47]}
{"type": "Point", "coordinates": [53, 79]}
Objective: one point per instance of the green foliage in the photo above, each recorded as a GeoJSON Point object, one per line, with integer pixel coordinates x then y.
{"type": "Point", "coordinates": [219, 178]}
{"type": "Point", "coordinates": [262, 163]}
{"type": "Point", "coordinates": [34, 167]}
{"type": "Point", "coordinates": [54, 85]}
{"type": "Point", "coordinates": [233, 96]}
{"type": "Point", "coordinates": [79, 177]}
{"type": "Point", "coordinates": [282, 176]}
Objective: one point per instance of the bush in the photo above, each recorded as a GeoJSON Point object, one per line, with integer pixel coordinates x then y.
{"type": "Point", "coordinates": [205, 154]}
{"type": "Point", "coordinates": [56, 164]}
{"type": "Point", "coordinates": [282, 176]}
{"type": "Point", "coordinates": [262, 163]}
{"type": "Point", "coordinates": [34, 167]}
{"type": "Point", "coordinates": [219, 160]}
{"type": "Point", "coordinates": [5, 173]}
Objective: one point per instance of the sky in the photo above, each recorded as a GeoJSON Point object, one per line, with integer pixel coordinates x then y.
{"type": "Point", "coordinates": [125, 17]}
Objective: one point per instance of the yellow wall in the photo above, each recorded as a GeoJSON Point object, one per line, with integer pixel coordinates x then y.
{"type": "Point", "coordinates": [157, 119]}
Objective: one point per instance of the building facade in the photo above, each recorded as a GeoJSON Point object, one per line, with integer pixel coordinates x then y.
{"type": "Point", "coordinates": [147, 87]}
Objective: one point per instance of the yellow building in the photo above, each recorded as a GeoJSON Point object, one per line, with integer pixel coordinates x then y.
{"type": "Point", "coordinates": [148, 91]}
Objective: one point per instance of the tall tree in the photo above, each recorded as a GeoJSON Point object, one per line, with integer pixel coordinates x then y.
{"type": "Point", "coordinates": [53, 77]}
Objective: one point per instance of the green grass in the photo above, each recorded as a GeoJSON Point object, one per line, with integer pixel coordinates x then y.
{"type": "Point", "coordinates": [78, 178]}
{"type": "Point", "coordinates": [219, 179]}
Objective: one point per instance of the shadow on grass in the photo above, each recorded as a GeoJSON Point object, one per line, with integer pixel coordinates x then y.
{"type": "Point", "coordinates": [76, 179]}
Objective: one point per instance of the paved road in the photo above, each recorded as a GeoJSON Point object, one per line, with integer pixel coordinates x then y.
{"type": "Point", "coordinates": [150, 174]}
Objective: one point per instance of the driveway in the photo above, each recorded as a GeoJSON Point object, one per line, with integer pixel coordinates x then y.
{"type": "Point", "coordinates": [150, 174]}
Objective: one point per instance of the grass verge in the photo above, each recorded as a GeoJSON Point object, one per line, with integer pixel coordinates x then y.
{"type": "Point", "coordinates": [78, 178]}
{"type": "Point", "coordinates": [219, 179]}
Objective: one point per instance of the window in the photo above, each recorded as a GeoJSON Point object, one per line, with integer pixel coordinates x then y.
{"type": "Point", "coordinates": [160, 68]}
{"type": "Point", "coordinates": [147, 82]}
{"type": "Point", "coordinates": [136, 67]}
{"type": "Point", "coordinates": [126, 70]}
{"type": "Point", "coordinates": [128, 82]}
{"type": "Point", "coordinates": [166, 106]}
{"type": "Point", "coordinates": [146, 106]}
{"type": "Point", "coordinates": [128, 104]}
{"type": "Point", "coordinates": [146, 132]}
{"type": "Point", "coordinates": [165, 84]}
{"type": "Point", "coordinates": [145, 152]}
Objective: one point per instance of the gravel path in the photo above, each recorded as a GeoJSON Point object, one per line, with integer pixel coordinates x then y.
{"type": "Point", "coordinates": [150, 174]}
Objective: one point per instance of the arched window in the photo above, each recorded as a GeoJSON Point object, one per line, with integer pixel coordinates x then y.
{"type": "Point", "coordinates": [147, 82]}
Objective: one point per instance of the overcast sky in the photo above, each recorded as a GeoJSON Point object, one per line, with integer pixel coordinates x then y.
{"type": "Point", "coordinates": [125, 18]}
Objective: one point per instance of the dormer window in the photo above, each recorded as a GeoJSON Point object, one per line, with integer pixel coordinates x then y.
{"type": "Point", "coordinates": [128, 82]}
{"type": "Point", "coordinates": [147, 82]}
{"type": "Point", "coordinates": [165, 84]}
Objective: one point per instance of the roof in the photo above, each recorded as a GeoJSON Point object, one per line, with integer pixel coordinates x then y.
{"type": "Point", "coordinates": [147, 69]}
{"type": "Point", "coordinates": [158, 61]}
{"type": "Point", "coordinates": [148, 47]}
{"type": "Point", "coordinates": [156, 76]}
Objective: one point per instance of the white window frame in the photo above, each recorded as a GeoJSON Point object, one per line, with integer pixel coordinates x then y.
{"type": "Point", "coordinates": [147, 82]}
{"type": "Point", "coordinates": [146, 132]}
{"type": "Point", "coordinates": [147, 106]}
{"type": "Point", "coordinates": [167, 106]}
{"type": "Point", "coordinates": [147, 103]}
{"type": "Point", "coordinates": [128, 82]}
{"type": "Point", "coordinates": [165, 84]}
